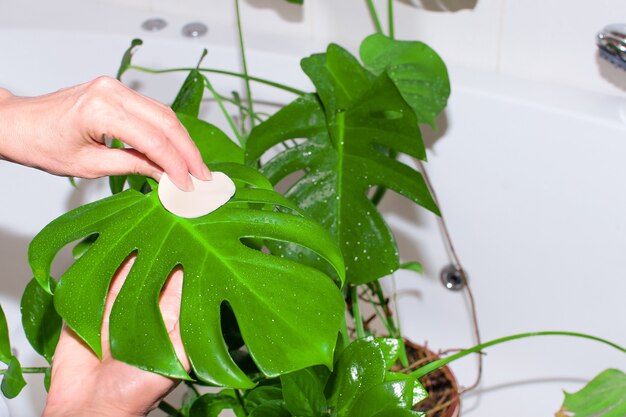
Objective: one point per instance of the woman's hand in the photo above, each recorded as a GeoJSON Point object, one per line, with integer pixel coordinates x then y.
{"type": "Point", "coordinates": [84, 386]}
{"type": "Point", "coordinates": [63, 133]}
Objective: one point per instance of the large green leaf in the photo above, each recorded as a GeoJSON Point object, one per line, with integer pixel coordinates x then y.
{"type": "Point", "coordinates": [288, 313]}
{"type": "Point", "coordinates": [418, 72]}
{"type": "Point", "coordinates": [40, 320]}
{"type": "Point", "coordinates": [604, 396]}
{"type": "Point", "coordinates": [350, 130]}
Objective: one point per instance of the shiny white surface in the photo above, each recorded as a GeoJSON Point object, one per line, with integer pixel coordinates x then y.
{"type": "Point", "coordinates": [530, 176]}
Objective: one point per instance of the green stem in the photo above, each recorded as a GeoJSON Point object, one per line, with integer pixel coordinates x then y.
{"type": "Point", "coordinates": [345, 335]}
{"type": "Point", "coordinates": [169, 409]}
{"type": "Point", "coordinates": [370, 5]}
{"type": "Point", "coordinates": [241, 402]}
{"type": "Point", "coordinates": [246, 75]}
{"type": "Point", "coordinates": [222, 72]}
{"type": "Point", "coordinates": [392, 33]}
{"type": "Point", "coordinates": [219, 101]}
{"type": "Point", "coordinates": [41, 370]}
{"type": "Point", "coordinates": [433, 366]}
{"type": "Point", "coordinates": [356, 313]}
{"type": "Point", "coordinates": [378, 290]}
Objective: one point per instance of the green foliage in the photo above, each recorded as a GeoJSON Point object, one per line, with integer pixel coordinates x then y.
{"type": "Point", "coordinates": [214, 145]}
{"type": "Point", "coordinates": [288, 313]}
{"type": "Point", "coordinates": [604, 396]}
{"type": "Point", "coordinates": [361, 386]}
{"type": "Point", "coordinates": [127, 58]}
{"type": "Point", "coordinates": [40, 320]}
{"type": "Point", "coordinates": [413, 266]}
{"type": "Point", "coordinates": [189, 97]}
{"type": "Point", "coordinates": [303, 393]}
{"type": "Point", "coordinates": [211, 405]}
{"type": "Point", "coordinates": [351, 125]}
{"type": "Point", "coordinates": [13, 381]}
{"type": "Point", "coordinates": [418, 72]}
{"type": "Point", "coordinates": [5, 342]}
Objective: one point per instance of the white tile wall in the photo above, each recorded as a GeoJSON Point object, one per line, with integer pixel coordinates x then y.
{"type": "Point", "coordinates": [548, 40]}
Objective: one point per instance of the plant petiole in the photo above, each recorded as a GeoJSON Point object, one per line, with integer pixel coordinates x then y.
{"type": "Point", "coordinates": [222, 72]}
{"type": "Point", "coordinates": [246, 75]}
{"type": "Point", "coordinates": [169, 409]}
{"type": "Point", "coordinates": [356, 313]}
{"type": "Point", "coordinates": [372, 8]}
{"type": "Point", "coordinates": [40, 370]}
{"type": "Point", "coordinates": [433, 366]}
{"type": "Point", "coordinates": [392, 32]}
{"type": "Point", "coordinates": [218, 99]}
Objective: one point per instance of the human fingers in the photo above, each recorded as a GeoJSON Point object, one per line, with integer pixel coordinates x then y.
{"type": "Point", "coordinates": [108, 108]}
{"type": "Point", "coordinates": [163, 117]}
{"type": "Point", "coordinates": [107, 161]}
{"type": "Point", "coordinates": [169, 303]}
{"type": "Point", "coordinates": [151, 142]}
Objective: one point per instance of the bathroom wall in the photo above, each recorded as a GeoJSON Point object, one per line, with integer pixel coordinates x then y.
{"type": "Point", "coordinates": [551, 40]}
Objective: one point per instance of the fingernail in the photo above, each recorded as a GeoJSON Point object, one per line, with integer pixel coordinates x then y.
{"type": "Point", "coordinates": [206, 173]}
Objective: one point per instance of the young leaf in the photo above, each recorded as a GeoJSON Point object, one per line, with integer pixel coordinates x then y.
{"type": "Point", "coordinates": [5, 343]}
{"type": "Point", "coordinates": [213, 144]}
{"type": "Point", "coordinates": [189, 96]}
{"type": "Point", "coordinates": [304, 394]}
{"type": "Point", "coordinates": [361, 387]}
{"type": "Point", "coordinates": [271, 409]}
{"type": "Point", "coordinates": [418, 72]}
{"type": "Point", "coordinates": [40, 320]}
{"type": "Point", "coordinates": [360, 367]}
{"type": "Point", "coordinates": [391, 348]}
{"type": "Point", "coordinates": [128, 56]}
{"type": "Point", "coordinates": [261, 395]}
{"type": "Point", "coordinates": [604, 396]}
{"type": "Point", "coordinates": [13, 381]}
{"type": "Point", "coordinates": [288, 313]}
{"type": "Point", "coordinates": [342, 158]}
{"type": "Point", "coordinates": [211, 405]}
{"type": "Point", "coordinates": [413, 266]}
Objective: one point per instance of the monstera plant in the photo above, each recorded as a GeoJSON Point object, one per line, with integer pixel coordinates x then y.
{"type": "Point", "coordinates": [267, 277]}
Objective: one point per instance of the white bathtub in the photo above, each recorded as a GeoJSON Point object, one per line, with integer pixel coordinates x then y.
{"type": "Point", "coordinates": [531, 178]}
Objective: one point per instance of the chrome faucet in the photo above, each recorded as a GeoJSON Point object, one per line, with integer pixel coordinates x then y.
{"type": "Point", "coordinates": [612, 44]}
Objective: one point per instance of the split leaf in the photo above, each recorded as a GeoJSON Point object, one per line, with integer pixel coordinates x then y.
{"type": "Point", "coordinates": [288, 313]}
{"type": "Point", "coordinates": [416, 69]}
{"type": "Point", "coordinates": [349, 127]}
